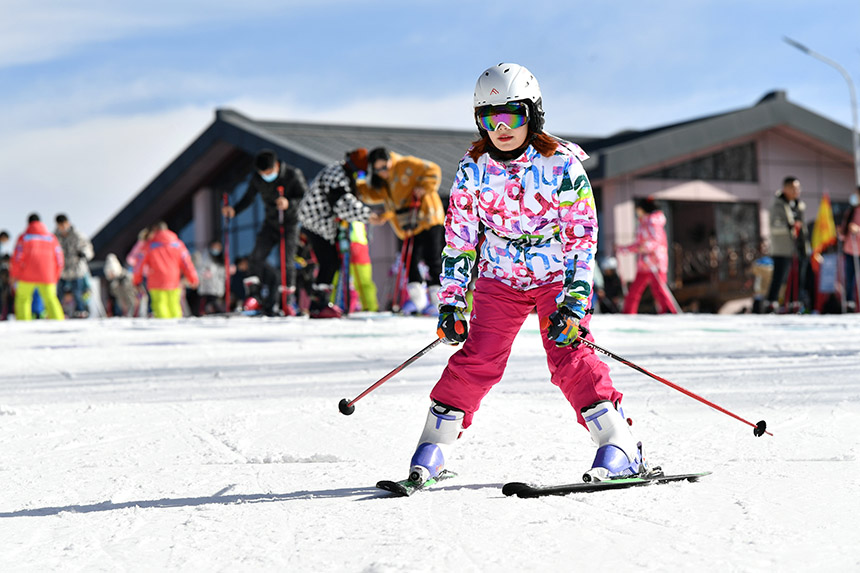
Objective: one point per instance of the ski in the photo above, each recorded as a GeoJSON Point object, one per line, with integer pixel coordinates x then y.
{"type": "Point", "coordinates": [407, 487]}
{"type": "Point", "coordinates": [524, 490]}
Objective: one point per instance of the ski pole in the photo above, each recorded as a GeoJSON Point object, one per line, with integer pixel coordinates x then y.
{"type": "Point", "coordinates": [856, 293]}
{"type": "Point", "coordinates": [283, 256]}
{"type": "Point", "coordinates": [227, 255]}
{"type": "Point", "coordinates": [347, 407]}
{"type": "Point", "coordinates": [758, 429]}
{"type": "Point", "coordinates": [395, 305]}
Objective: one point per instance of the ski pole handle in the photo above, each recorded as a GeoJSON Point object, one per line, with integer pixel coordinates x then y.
{"type": "Point", "coordinates": [347, 407]}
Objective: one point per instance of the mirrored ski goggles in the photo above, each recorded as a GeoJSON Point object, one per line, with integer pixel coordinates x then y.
{"type": "Point", "coordinates": [512, 115]}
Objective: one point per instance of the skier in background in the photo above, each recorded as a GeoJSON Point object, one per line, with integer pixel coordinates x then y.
{"type": "Point", "coordinates": [120, 287]}
{"type": "Point", "coordinates": [36, 265]}
{"type": "Point", "coordinates": [529, 192]}
{"type": "Point", "coordinates": [361, 267]}
{"type": "Point", "coordinates": [849, 234]}
{"type": "Point", "coordinates": [281, 188]}
{"type": "Point", "coordinates": [408, 188]}
{"type": "Point", "coordinates": [77, 250]}
{"type": "Point", "coordinates": [213, 279]}
{"type": "Point", "coordinates": [165, 260]}
{"type": "Point", "coordinates": [331, 199]}
{"type": "Point", "coordinates": [652, 259]}
{"type": "Point", "coordinates": [789, 247]}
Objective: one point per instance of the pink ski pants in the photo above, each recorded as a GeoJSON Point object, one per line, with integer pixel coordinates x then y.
{"type": "Point", "coordinates": [498, 313]}
{"type": "Point", "coordinates": [659, 290]}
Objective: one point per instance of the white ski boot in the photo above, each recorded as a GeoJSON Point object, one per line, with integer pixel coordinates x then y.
{"type": "Point", "coordinates": [417, 296]}
{"type": "Point", "coordinates": [432, 308]}
{"type": "Point", "coordinates": [618, 452]}
{"type": "Point", "coordinates": [442, 428]}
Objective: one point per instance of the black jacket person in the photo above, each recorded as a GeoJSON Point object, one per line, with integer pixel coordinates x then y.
{"type": "Point", "coordinates": [280, 187]}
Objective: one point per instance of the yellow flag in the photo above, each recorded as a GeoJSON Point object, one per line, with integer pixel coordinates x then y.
{"type": "Point", "coordinates": [823, 232]}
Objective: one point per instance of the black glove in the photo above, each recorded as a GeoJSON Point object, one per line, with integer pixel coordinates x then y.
{"type": "Point", "coordinates": [563, 327]}
{"type": "Point", "coordinates": [453, 328]}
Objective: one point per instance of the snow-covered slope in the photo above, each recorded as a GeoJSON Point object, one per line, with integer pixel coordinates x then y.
{"type": "Point", "coordinates": [216, 444]}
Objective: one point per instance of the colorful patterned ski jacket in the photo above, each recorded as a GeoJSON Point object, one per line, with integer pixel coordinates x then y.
{"type": "Point", "coordinates": [539, 222]}
{"type": "Point", "coordinates": [38, 257]}
{"type": "Point", "coordinates": [651, 245]}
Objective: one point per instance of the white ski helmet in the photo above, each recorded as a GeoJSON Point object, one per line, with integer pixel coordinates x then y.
{"type": "Point", "coordinates": [507, 83]}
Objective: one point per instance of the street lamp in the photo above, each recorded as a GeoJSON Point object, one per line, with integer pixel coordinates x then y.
{"type": "Point", "coordinates": [847, 77]}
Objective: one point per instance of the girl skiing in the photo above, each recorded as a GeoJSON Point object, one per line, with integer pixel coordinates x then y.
{"type": "Point", "coordinates": [528, 193]}
{"type": "Point", "coordinates": [652, 259]}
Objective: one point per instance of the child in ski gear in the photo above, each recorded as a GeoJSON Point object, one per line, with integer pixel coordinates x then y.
{"type": "Point", "coordinates": [120, 287]}
{"type": "Point", "coordinates": [331, 199]}
{"type": "Point", "coordinates": [36, 265]}
{"type": "Point", "coordinates": [652, 259]}
{"type": "Point", "coordinates": [165, 260]}
{"type": "Point", "coordinates": [408, 188]}
{"type": "Point", "coordinates": [530, 194]}
{"type": "Point", "coordinates": [77, 250]}
{"type": "Point", "coordinates": [213, 279]}
{"type": "Point", "coordinates": [281, 188]}
{"type": "Point", "coordinates": [789, 244]}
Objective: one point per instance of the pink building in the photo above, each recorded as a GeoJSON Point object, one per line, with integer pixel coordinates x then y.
{"type": "Point", "coordinates": [716, 177]}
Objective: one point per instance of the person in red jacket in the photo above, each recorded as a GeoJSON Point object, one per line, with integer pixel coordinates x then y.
{"type": "Point", "coordinates": [165, 260]}
{"type": "Point", "coordinates": [37, 264]}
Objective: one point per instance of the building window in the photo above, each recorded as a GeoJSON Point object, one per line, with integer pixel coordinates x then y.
{"type": "Point", "coordinates": [736, 163]}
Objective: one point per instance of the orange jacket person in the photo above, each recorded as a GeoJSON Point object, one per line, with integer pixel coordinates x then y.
{"type": "Point", "coordinates": [37, 264]}
{"type": "Point", "coordinates": [165, 260]}
{"type": "Point", "coordinates": [408, 188]}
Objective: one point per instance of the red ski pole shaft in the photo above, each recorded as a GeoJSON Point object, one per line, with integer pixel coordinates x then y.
{"type": "Point", "coordinates": [759, 428]}
{"type": "Point", "coordinates": [347, 406]}
{"type": "Point", "coordinates": [283, 255]}
{"type": "Point", "coordinates": [227, 255]}
{"type": "Point", "coordinates": [395, 303]}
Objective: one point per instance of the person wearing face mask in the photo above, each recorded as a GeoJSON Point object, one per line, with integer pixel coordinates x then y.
{"type": "Point", "coordinates": [529, 195]}
{"type": "Point", "coordinates": [849, 234]}
{"type": "Point", "coordinates": [213, 279]}
{"type": "Point", "coordinates": [281, 188]}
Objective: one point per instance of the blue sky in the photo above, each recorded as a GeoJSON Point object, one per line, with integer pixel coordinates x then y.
{"type": "Point", "coordinates": [98, 96]}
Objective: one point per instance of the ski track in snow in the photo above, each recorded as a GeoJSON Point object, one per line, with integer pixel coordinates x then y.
{"type": "Point", "coordinates": [216, 444]}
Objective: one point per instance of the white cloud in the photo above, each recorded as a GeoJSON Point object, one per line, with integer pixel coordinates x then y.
{"type": "Point", "coordinates": [91, 169]}
{"type": "Point", "coordinates": [40, 31]}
